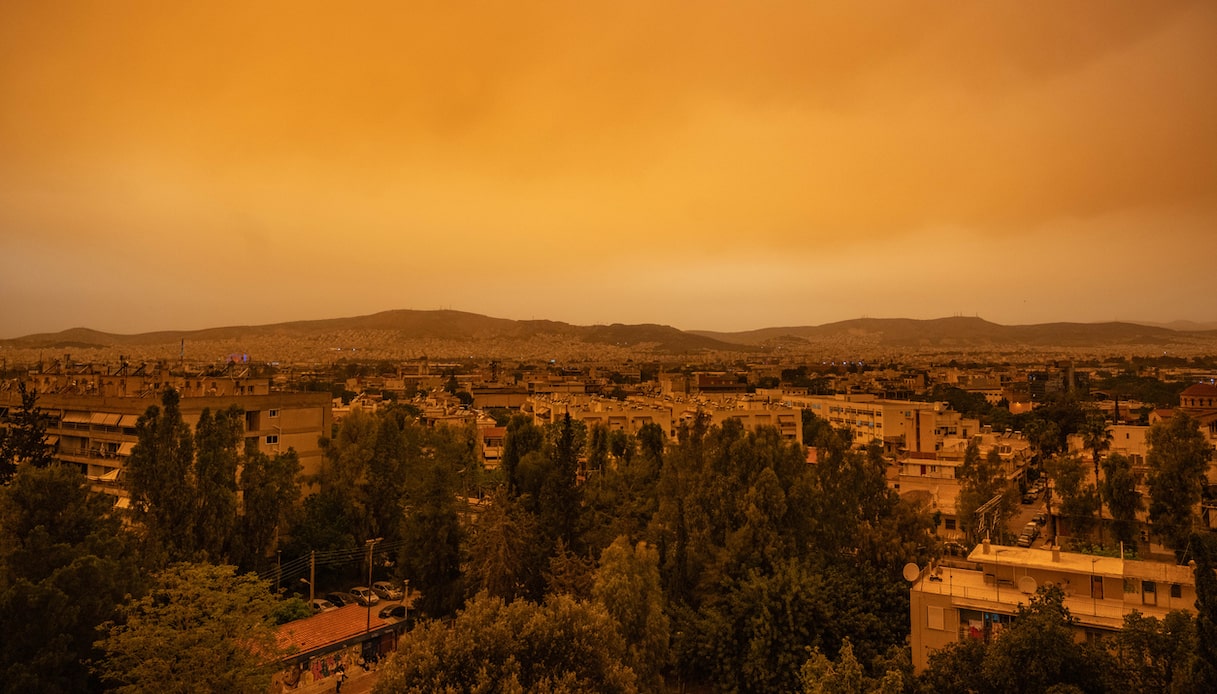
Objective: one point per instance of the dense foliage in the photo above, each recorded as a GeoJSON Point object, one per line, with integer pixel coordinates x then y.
{"type": "Point", "coordinates": [592, 560]}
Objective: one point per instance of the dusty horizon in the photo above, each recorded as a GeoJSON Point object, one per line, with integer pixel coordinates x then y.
{"type": "Point", "coordinates": [708, 166]}
{"type": "Point", "coordinates": [1182, 325]}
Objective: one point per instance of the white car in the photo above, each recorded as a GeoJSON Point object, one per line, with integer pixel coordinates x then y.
{"type": "Point", "coordinates": [364, 596]}
{"type": "Point", "coordinates": [323, 606]}
{"type": "Point", "coordinates": [386, 590]}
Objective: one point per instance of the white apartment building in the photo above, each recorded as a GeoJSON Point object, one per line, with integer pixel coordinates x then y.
{"type": "Point", "coordinates": [949, 604]}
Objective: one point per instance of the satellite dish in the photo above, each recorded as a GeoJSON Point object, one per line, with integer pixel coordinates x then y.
{"type": "Point", "coordinates": [1027, 584]}
{"type": "Point", "coordinates": [911, 572]}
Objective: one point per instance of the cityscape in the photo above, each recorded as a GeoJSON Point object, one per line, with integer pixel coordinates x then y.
{"type": "Point", "coordinates": [548, 347]}
{"type": "Point", "coordinates": [377, 505]}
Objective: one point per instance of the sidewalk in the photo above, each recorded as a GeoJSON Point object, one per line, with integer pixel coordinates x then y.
{"type": "Point", "coordinates": [359, 681]}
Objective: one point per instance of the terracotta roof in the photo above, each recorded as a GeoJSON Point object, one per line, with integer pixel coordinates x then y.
{"type": "Point", "coordinates": [330, 628]}
{"type": "Point", "coordinates": [1202, 390]}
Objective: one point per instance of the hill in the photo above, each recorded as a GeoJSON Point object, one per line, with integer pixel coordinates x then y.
{"type": "Point", "coordinates": [968, 333]}
{"type": "Point", "coordinates": [389, 335]}
{"type": "Point", "coordinates": [407, 334]}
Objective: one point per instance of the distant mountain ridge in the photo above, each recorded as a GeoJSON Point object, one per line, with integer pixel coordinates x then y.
{"type": "Point", "coordinates": [384, 332]}
{"type": "Point", "coordinates": [443, 325]}
{"type": "Point", "coordinates": [972, 332]}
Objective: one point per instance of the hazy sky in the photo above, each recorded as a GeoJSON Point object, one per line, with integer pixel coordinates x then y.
{"type": "Point", "coordinates": [727, 165]}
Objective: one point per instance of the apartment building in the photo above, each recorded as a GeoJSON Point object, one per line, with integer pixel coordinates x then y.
{"type": "Point", "coordinates": [931, 477]}
{"type": "Point", "coordinates": [91, 422]}
{"type": "Point", "coordinates": [915, 426]}
{"type": "Point", "coordinates": [669, 413]}
{"type": "Point", "coordinates": [979, 597]}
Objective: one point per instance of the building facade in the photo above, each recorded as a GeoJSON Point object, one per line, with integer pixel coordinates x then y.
{"type": "Point", "coordinates": [976, 600]}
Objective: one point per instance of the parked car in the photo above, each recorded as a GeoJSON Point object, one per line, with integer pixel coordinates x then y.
{"type": "Point", "coordinates": [393, 612]}
{"type": "Point", "coordinates": [1030, 497]}
{"type": "Point", "coordinates": [364, 596]}
{"type": "Point", "coordinates": [1039, 519]}
{"type": "Point", "coordinates": [340, 599]}
{"type": "Point", "coordinates": [386, 590]}
{"type": "Point", "coordinates": [320, 605]}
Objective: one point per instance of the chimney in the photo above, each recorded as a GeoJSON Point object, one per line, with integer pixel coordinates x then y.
{"type": "Point", "coordinates": [985, 546]}
{"type": "Point", "coordinates": [1056, 554]}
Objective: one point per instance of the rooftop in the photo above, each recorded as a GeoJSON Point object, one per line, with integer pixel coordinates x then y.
{"type": "Point", "coordinates": [347, 624]}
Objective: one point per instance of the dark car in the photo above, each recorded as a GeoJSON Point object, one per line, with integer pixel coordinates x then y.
{"type": "Point", "coordinates": [340, 599]}
{"type": "Point", "coordinates": [393, 612]}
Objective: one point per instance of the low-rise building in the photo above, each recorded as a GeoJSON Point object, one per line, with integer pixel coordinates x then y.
{"type": "Point", "coordinates": [977, 599]}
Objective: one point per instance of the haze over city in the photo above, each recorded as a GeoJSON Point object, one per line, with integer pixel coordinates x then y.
{"type": "Point", "coordinates": [713, 166]}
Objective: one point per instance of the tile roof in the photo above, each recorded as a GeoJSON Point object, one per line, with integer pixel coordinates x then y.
{"type": "Point", "coordinates": [332, 628]}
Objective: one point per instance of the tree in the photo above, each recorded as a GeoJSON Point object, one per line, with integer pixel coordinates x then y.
{"type": "Point", "coordinates": [628, 585]}
{"type": "Point", "coordinates": [1119, 490]}
{"type": "Point", "coordinates": [954, 668]}
{"type": "Point", "coordinates": [1154, 655]}
{"type": "Point", "coordinates": [1077, 501]}
{"type": "Point", "coordinates": [522, 437]}
{"type": "Point", "coordinates": [269, 490]}
{"type": "Point", "coordinates": [1038, 651]}
{"type": "Point", "coordinates": [1178, 458]}
{"type": "Point", "coordinates": [66, 565]}
{"type": "Point", "coordinates": [200, 627]}
{"type": "Point", "coordinates": [568, 573]}
{"type": "Point", "coordinates": [846, 675]}
{"type": "Point", "coordinates": [559, 498]}
{"type": "Point", "coordinates": [1204, 665]}
{"type": "Point", "coordinates": [24, 440]}
{"type": "Point", "coordinates": [563, 646]}
{"type": "Point", "coordinates": [431, 553]}
{"type": "Point", "coordinates": [217, 454]}
{"type": "Point", "coordinates": [386, 483]}
{"type": "Point", "coordinates": [981, 479]}
{"type": "Point", "coordinates": [346, 471]}
{"type": "Point", "coordinates": [505, 551]}
{"type": "Point", "coordinates": [160, 479]}
{"type": "Point", "coordinates": [1097, 437]}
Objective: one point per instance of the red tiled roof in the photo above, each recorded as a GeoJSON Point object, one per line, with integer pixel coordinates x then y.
{"type": "Point", "coordinates": [328, 628]}
{"type": "Point", "coordinates": [1202, 390]}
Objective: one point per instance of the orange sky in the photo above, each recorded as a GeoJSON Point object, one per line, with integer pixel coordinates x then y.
{"type": "Point", "coordinates": [706, 165]}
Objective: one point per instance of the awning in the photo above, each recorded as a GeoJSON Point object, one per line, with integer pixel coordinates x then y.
{"type": "Point", "coordinates": [52, 440]}
{"type": "Point", "coordinates": [128, 421]}
{"type": "Point", "coordinates": [123, 502]}
{"type": "Point", "coordinates": [76, 418]}
{"type": "Point", "coordinates": [105, 419]}
{"type": "Point", "coordinates": [124, 448]}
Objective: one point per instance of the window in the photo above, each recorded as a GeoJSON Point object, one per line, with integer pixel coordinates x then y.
{"type": "Point", "coordinates": [935, 619]}
{"type": "Point", "coordinates": [1176, 590]}
{"type": "Point", "coordinates": [272, 413]}
{"type": "Point", "coordinates": [272, 439]}
{"type": "Point", "coordinates": [1149, 593]}
{"type": "Point", "coordinates": [950, 522]}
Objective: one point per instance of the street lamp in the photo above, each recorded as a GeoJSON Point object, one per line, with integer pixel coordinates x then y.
{"type": "Point", "coordinates": [371, 544]}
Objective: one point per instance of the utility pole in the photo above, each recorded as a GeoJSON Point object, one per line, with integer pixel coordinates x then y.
{"type": "Point", "coordinates": [371, 544]}
{"type": "Point", "coordinates": [312, 576]}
